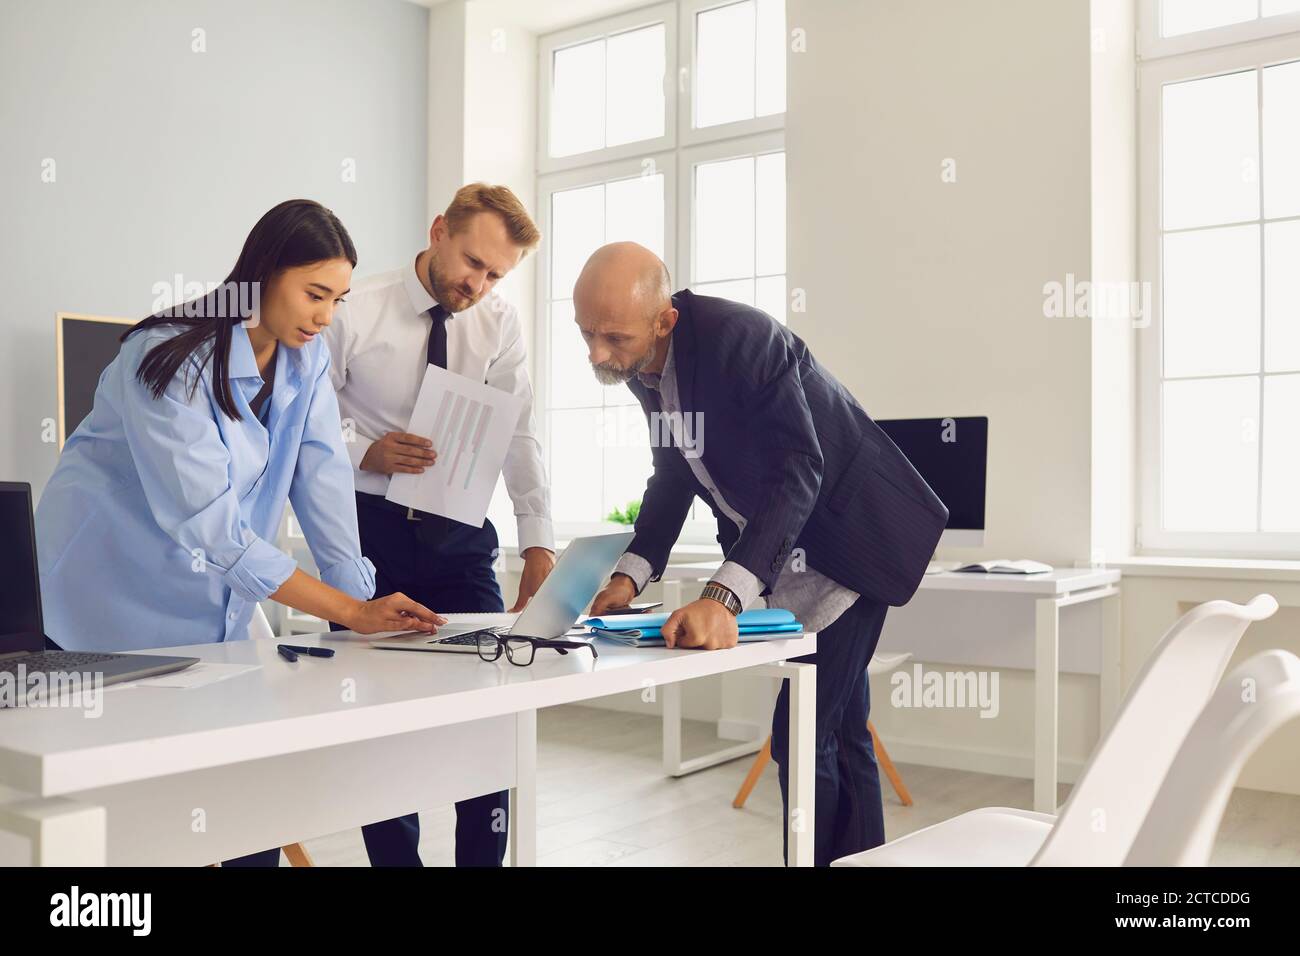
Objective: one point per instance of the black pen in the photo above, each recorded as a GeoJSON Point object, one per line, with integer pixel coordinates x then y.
{"type": "Point", "coordinates": [311, 651]}
{"type": "Point", "coordinates": [287, 653]}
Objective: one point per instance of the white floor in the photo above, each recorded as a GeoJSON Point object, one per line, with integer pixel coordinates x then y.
{"type": "Point", "coordinates": [603, 801]}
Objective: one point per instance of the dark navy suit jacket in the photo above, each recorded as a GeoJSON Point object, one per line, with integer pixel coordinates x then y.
{"type": "Point", "coordinates": [791, 450]}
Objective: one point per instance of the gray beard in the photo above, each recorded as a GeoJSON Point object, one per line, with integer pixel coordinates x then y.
{"type": "Point", "coordinates": [606, 375]}
{"type": "Point", "coordinates": [609, 375]}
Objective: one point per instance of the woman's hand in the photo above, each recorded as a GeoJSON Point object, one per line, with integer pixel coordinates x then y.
{"type": "Point", "coordinates": [396, 612]}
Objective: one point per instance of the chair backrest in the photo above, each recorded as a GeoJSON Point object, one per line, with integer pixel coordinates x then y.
{"type": "Point", "coordinates": [1256, 699]}
{"type": "Point", "coordinates": [259, 628]}
{"type": "Point", "coordinates": [1099, 821]}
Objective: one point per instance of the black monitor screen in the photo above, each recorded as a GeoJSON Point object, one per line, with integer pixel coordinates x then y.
{"type": "Point", "coordinates": [20, 595]}
{"type": "Point", "coordinates": [951, 455]}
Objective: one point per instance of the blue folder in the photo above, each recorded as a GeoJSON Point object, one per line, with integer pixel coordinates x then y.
{"type": "Point", "coordinates": [646, 630]}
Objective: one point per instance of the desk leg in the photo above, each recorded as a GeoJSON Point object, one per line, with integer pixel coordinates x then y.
{"type": "Point", "coordinates": [803, 761]}
{"type": "Point", "coordinates": [523, 795]}
{"type": "Point", "coordinates": [671, 694]}
{"type": "Point", "coordinates": [1047, 622]}
{"type": "Point", "coordinates": [1111, 681]}
{"type": "Point", "coordinates": [61, 832]}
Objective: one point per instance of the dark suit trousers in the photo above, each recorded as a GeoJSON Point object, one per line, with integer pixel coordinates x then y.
{"type": "Point", "coordinates": [849, 816]}
{"type": "Point", "coordinates": [454, 575]}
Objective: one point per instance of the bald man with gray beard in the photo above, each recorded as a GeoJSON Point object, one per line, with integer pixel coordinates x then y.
{"type": "Point", "coordinates": [790, 465]}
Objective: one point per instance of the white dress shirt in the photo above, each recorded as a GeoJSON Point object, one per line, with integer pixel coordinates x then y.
{"type": "Point", "coordinates": [379, 344]}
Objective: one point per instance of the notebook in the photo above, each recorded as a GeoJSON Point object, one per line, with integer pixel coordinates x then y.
{"type": "Point", "coordinates": [1004, 566]}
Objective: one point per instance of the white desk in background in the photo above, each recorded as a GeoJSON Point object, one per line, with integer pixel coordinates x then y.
{"type": "Point", "coordinates": [291, 752]}
{"type": "Point", "coordinates": [674, 576]}
{"type": "Point", "coordinates": [1014, 621]}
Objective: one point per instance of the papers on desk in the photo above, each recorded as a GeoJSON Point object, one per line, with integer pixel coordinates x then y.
{"type": "Point", "coordinates": [196, 675]}
{"type": "Point", "coordinates": [646, 630]}
{"type": "Point", "coordinates": [470, 425]}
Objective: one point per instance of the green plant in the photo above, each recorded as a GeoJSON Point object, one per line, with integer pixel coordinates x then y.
{"type": "Point", "coordinates": [627, 516]}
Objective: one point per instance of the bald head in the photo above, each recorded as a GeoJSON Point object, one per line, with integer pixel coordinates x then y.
{"type": "Point", "coordinates": [624, 275]}
{"type": "Point", "coordinates": [622, 303]}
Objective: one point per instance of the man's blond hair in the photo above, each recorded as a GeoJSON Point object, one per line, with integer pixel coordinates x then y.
{"type": "Point", "coordinates": [474, 198]}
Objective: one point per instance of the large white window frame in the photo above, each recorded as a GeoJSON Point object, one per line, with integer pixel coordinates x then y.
{"type": "Point", "coordinates": [1151, 45]}
{"type": "Point", "coordinates": [665, 13]}
{"type": "Point", "coordinates": [1216, 53]}
{"type": "Point", "coordinates": [674, 155]}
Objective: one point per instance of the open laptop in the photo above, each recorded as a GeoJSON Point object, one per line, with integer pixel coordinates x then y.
{"type": "Point", "coordinates": [22, 636]}
{"type": "Point", "coordinates": [556, 607]}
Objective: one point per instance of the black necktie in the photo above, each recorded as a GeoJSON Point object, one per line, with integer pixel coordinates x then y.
{"type": "Point", "coordinates": [438, 336]}
{"type": "Point", "coordinates": [433, 528]}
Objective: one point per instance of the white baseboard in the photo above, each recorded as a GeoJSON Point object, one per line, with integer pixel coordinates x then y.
{"type": "Point", "coordinates": [742, 730]}
{"type": "Point", "coordinates": [976, 760]}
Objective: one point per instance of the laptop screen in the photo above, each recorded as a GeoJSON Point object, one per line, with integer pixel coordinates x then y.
{"type": "Point", "coordinates": [21, 628]}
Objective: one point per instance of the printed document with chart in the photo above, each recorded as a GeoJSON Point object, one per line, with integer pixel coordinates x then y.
{"type": "Point", "coordinates": [470, 425]}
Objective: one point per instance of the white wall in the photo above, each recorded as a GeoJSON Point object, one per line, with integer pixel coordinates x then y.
{"type": "Point", "coordinates": [165, 157]}
{"type": "Point", "coordinates": [925, 298]}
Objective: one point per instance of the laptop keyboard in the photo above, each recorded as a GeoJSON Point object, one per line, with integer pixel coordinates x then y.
{"type": "Point", "coordinates": [470, 639]}
{"type": "Point", "coordinates": [54, 661]}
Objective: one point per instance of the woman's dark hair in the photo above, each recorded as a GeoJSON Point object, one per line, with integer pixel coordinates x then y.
{"type": "Point", "coordinates": [297, 232]}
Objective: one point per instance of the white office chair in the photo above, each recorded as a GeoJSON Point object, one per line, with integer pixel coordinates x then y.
{"type": "Point", "coordinates": [1107, 805]}
{"type": "Point", "coordinates": [1256, 699]}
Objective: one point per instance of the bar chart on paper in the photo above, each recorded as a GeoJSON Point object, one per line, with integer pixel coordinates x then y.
{"type": "Point", "coordinates": [470, 424]}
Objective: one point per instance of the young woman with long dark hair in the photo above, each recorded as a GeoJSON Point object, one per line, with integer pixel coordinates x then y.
{"type": "Point", "coordinates": [156, 528]}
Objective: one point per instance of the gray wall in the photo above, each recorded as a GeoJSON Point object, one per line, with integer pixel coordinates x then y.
{"type": "Point", "coordinates": [164, 157]}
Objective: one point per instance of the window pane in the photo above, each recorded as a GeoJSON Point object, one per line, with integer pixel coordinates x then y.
{"type": "Point", "coordinates": [738, 290]}
{"type": "Point", "coordinates": [1188, 16]}
{"type": "Point", "coordinates": [578, 99]}
{"type": "Point", "coordinates": [1211, 151]}
{"type": "Point", "coordinates": [769, 191]}
{"type": "Point", "coordinates": [1211, 299]}
{"type": "Point", "coordinates": [1281, 504]}
{"type": "Point", "coordinates": [724, 64]}
{"type": "Point", "coordinates": [576, 471]}
{"type": "Point", "coordinates": [1210, 451]}
{"type": "Point", "coordinates": [724, 219]}
{"type": "Point", "coordinates": [573, 385]}
{"type": "Point", "coordinates": [770, 297]}
{"type": "Point", "coordinates": [577, 230]}
{"type": "Point", "coordinates": [627, 456]}
{"type": "Point", "coordinates": [1282, 297]}
{"type": "Point", "coordinates": [1273, 7]}
{"type": "Point", "coordinates": [771, 37]}
{"type": "Point", "coordinates": [634, 210]}
{"type": "Point", "coordinates": [1282, 140]}
{"type": "Point", "coordinates": [634, 103]}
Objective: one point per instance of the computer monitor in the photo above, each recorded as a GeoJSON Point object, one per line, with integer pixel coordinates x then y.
{"type": "Point", "coordinates": [21, 627]}
{"type": "Point", "coordinates": [952, 456]}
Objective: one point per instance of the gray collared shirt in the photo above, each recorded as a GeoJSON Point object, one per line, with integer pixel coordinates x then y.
{"type": "Point", "coordinates": [816, 600]}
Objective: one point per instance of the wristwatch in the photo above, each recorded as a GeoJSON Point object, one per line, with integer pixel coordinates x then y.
{"type": "Point", "coordinates": [724, 596]}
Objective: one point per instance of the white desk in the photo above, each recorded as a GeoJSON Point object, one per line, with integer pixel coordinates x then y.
{"type": "Point", "coordinates": [291, 752]}
{"type": "Point", "coordinates": [1022, 631]}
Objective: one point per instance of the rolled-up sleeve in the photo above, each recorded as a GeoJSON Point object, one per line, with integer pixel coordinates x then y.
{"type": "Point", "coordinates": [323, 495]}
{"type": "Point", "coordinates": [184, 469]}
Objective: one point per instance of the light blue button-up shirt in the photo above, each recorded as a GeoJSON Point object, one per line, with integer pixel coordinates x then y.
{"type": "Point", "coordinates": [155, 529]}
